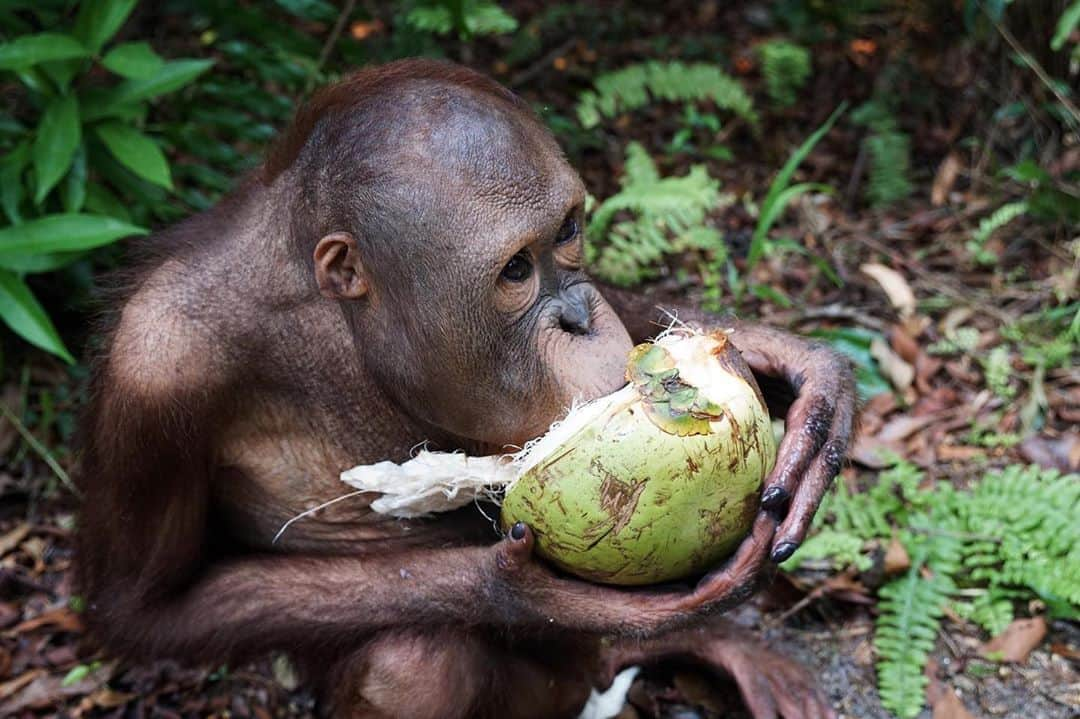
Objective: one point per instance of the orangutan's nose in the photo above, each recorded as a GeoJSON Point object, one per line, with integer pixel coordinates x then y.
{"type": "Point", "coordinates": [575, 315]}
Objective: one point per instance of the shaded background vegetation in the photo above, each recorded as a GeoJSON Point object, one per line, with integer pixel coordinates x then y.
{"type": "Point", "coordinates": [901, 179]}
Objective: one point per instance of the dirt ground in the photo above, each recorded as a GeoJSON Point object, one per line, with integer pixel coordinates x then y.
{"type": "Point", "coordinates": [48, 668]}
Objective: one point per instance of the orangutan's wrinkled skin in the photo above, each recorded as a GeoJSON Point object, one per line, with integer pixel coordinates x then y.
{"type": "Point", "coordinates": [405, 266]}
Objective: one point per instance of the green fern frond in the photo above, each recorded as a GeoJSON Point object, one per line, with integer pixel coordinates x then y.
{"type": "Point", "coordinates": [911, 609]}
{"type": "Point", "coordinates": [1011, 535]}
{"type": "Point", "coordinates": [890, 165]}
{"type": "Point", "coordinates": [841, 548]}
{"type": "Point", "coordinates": [1032, 513]}
{"type": "Point", "coordinates": [991, 224]}
{"type": "Point", "coordinates": [635, 86]}
{"type": "Point", "coordinates": [889, 151]}
{"type": "Point", "coordinates": [478, 17]}
{"type": "Point", "coordinates": [991, 609]}
{"type": "Point", "coordinates": [998, 372]}
{"type": "Point", "coordinates": [664, 215]}
{"type": "Point", "coordinates": [786, 68]}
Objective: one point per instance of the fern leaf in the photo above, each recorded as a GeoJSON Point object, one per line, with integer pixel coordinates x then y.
{"type": "Point", "coordinates": [665, 216]}
{"type": "Point", "coordinates": [635, 86]}
{"type": "Point", "coordinates": [890, 165]}
{"type": "Point", "coordinates": [842, 548]}
{"type": "Point", "coordinates": [991, 224]}
{"type": "Point", "coordinates": [786, 68]}
{"type": "Point", "coordinates": [911, 610]}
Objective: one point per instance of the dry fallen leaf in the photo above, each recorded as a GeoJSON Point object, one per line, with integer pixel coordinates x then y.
{"type": "Point", "coordinates": [106, 698]}
{"type": "Point", "coordinates": [904, 344]}
{"type": "Point", "coordinates": [905, 425]}
{"type": "Point", "coordinates": [870, 451]}
{"type": "Point", "coordinates": [899, 373]}
{"type": "Point", "coordinates": [926, 367]}
{"type": "Point", "coordinates": [1016, 642]}
{"type": "Point", "coordinates": [13, 686]}
{"type": "Point", "coordinates": [895, 286]}
{"type": "Point", "coordinates": [947, 172]}
{"type": "Point", "coordinates": [61, 619]}
{"type": "Point", "coordinates": [949, 706]}
{"type": "Point", "coordinates": [50, 689]}
{"type": "Point", "coordinates": [12, 539]}
{"type": "Point", "coordinates": [958, 453]}
{"type": "Point", "coordinates": [896, 558]}
{"type": "Point", "coordinates": [1062, 453]}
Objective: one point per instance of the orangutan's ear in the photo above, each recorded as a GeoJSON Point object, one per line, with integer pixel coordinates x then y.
{"type": "Point", "coordinates": [338, 267]}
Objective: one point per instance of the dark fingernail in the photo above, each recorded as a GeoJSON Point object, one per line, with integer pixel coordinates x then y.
{"type": "Point", "coordinates": [774, 498]}
{"type": "Point", "coordinates": [783, 551]}
{"type": "Point", "coordinates": [517, 531]}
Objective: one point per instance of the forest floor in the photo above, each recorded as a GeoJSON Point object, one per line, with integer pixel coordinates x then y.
{"type": "Point", "coordinates": [940, 413]}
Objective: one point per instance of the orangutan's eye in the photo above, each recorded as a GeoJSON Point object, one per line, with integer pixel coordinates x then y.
{"type": "Point", "coordinates": [519, 268]}
{"type": "Point", "coordinates": [567, 232]}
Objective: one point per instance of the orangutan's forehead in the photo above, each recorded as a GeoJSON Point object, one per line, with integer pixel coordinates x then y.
{"type": "Point", "coordinates": [496, 151]}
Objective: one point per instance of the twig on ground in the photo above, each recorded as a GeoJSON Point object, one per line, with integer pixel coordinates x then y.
{"type": "Point", "coordinates": [39, 448]}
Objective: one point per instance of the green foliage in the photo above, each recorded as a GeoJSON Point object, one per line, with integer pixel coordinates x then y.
{"type": "Point", "coordinates": [662, 216]}
{"type": "Point", "coordinates": [267, 58]}
{"type": "Point", "coordinates": [786, 68]}
{"type": "Point", "coordinates": [911, 609]}
{"type": "Point", "coordinates": [998, 372]}
{"type": "Point", "coordinates": [960, 340]}
{"type": "Point", "coordinates": [855, 342]}
{"type": "Point", "coordinates": [818, 20]}
{"type": "Point", "coordinates": [840, 548]}
{"type": "Point", "coordinates": [1048, 199]}
{"type": "Point", "coordinates": [73, 145]}
{"type": "Point", "coordinates": [700, 124]}
{"type": "Point", "coordinates": [889, 152]}
{"type": "Point", "coordinates": [988, 226]}
{"type": "Point", "coordinates": [782, 193]}
{"type": "Point", "coordinates": [1067, 23]}
{"type": "Point", "coordinates": [1009, 537]}
{"type": "Point", "coordinates": [467, 18]}
{"type": "Point", "coordinates": [635, 86]}
{"type": "Point", "coordinates": [665, 216]}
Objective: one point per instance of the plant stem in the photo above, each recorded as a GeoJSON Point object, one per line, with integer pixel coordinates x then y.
{"type": "Point", "coordinates": [41, 450]}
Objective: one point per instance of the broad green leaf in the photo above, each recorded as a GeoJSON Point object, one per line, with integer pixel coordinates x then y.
{"type": "Point", "coordinates": [133, 60]}
{"type": "Point", "coordinates": [73, 188]}
{"type": "Point", "coordinates": [172, 76]}
{"type": "Point", "coordinates": [33, 264]}
{"type": "Point", "coordinates": [57, 139]}
{"type": "Point", "coordinates": [136, 151]}
{"type": "Point", "coordinates": [10, 126]}
{"type": "Point", "coordinates": [63, 233]}
{"type": "Point", "coordinates": [22, 52]}
{"type": "Point", "coordinates": [100, 201]}
{"type": "Point", "coordinates": [1068, 22]}
{"type": "Point", "coordinates": [142, 196]}
{"type": "Point", "coordinates": [97, 106]}
{"type": "Point", "coordinates": [21, 311]}
{"type": "Point", "coordinates": [11, 186]}
{"type": "Point", "coordinates": [35, 81]}
{"type": "Point", "coordinates": [61, 72]}
{"type": "Point", "coordinates": [98, 20]}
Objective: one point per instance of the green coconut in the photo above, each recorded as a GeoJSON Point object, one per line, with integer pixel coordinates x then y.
{"type": "Point", "coordinates": [657, 481]}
